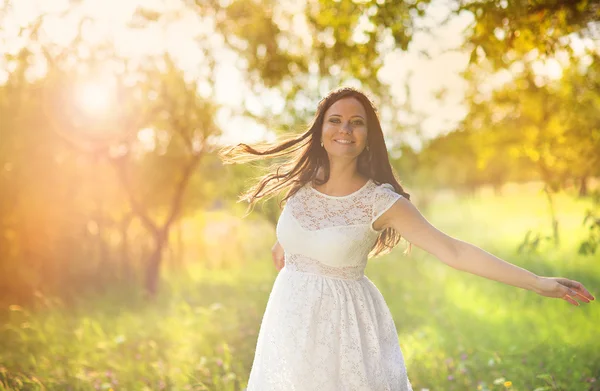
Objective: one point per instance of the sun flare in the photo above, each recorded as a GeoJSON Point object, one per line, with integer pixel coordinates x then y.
{"type": "Point", "coordinates": [95, 97]}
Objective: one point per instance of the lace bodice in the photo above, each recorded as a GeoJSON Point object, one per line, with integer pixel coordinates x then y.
{"type": "Point", "coordinates": [332, 235]}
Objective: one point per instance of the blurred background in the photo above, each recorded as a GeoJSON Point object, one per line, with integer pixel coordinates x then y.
{"type": "Point", "coordinates": [126, 262]}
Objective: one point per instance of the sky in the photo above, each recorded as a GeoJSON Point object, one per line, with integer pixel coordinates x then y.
{"type": "Point", "coordinates": [433, 62]}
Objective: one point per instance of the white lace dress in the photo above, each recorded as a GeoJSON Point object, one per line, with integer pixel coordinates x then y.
{"type": "Point", "coordinates": [326, 326]}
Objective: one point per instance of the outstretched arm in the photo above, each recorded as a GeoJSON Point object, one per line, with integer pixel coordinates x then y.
{"type": "Point", "coordinates": [406, 219]}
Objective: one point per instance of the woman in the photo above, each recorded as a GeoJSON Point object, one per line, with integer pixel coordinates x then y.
{"type": "Point", "coordinates": [326, 326]}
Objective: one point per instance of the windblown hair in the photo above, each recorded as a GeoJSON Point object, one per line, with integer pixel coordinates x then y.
{"type": "Point", "coordinates": [307, 158]}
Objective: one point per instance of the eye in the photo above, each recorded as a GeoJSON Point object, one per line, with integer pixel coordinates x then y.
{"type": "Point", "coordinates": [334, 121]}
{"type": "Point", "coordinates": [358, 122]}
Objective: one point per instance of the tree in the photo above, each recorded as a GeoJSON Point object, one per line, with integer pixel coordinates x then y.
{"type": "Point", "coordinates": [505, 31]}
{"type": "Point", "coordinates": [545, 124]}
{"type": "Point", "coordinates": [51, 148]}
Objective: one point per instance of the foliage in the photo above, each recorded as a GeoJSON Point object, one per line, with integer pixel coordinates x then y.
{"type": "Point", "coordinates": [89, 203]}
{"type": "Point", "coordinates": [506, 31]}
{"type": "Point", "coordinates": [591, 221]}
{"type": "Point", "coordinates": [86, 187]}
{"type": "Point", "coordinates": [457, 331]}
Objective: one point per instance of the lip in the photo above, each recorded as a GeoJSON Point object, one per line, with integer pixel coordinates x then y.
{"type": "Point", "coordinates": [342, 139]}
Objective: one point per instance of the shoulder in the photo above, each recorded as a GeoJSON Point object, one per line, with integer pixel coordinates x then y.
{"type": "Point", "coordinates": [383, 197]}
{"type": "Point", "coordinates": [383, 187]}
{"type": "Point", "coordinates": [389, 205]}
{"type": "Point", "coordinates": [383, 191]}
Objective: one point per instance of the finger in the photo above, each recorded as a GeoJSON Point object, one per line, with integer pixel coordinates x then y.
{"type": "Point", "coordinates": [570, 300]}
{"type": "Point", "coordinates": [582, 297]}
{"type": "Point", "coordinates": [579, 288]}
{"type": "Point", "coordinates": [584, 292]}
{"type": "Point", "coordinates": [575, 295]}
{"type": "Point", "coordinates": [569, 283]}
{"type": "Point", "coordinates": [569, 296]}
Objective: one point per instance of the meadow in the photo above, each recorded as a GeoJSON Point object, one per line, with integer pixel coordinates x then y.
{"type": "Point", "coordinates": [457, 331]}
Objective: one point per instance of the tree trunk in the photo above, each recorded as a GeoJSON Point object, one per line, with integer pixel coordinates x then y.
{"type": "Point", "coordinates": [153, 264]}
{"type": "Point", "coordinates": [126, 272]}
{"type": "Point", "coordinates": [552, 215]}
{"type": "Point", "coordinates": [583, 186]}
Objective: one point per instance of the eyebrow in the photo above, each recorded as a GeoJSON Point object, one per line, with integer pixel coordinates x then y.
{"type": "Point", "coordinates": [338, 115]}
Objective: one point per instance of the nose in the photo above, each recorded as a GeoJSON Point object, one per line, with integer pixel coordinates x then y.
{"type": "Point", "coordinates": [347, 128]}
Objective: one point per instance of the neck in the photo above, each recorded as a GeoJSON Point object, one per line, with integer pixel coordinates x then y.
{"type": "Point", "coordinates": [342, 173]}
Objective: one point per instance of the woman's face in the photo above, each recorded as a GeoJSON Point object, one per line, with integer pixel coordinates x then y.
{"type": "Point", "coordinates": [345, 128]}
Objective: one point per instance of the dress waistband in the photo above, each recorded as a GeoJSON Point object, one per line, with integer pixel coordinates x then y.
{"type": "Point", "coordinates": [301, 263]}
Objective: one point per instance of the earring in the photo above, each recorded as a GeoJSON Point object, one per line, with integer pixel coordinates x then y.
{"type": "Point", "coordinates": [367, 148]}
{"type": "Point", "coordinates": [321, 143]}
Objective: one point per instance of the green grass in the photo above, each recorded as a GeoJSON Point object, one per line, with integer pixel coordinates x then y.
{"type": "Point", "coordinates": [457, 331]}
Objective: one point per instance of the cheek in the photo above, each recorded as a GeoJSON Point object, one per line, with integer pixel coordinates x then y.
{"type": "Point", "coordinates": [361, 135]}
{"type": "Point", "coordinates": [328, 130]}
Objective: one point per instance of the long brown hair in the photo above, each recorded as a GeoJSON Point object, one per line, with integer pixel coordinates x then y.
{"type": "Point", "coordinates": [306, 156]}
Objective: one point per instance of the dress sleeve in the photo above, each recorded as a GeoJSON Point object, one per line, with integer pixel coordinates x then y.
{"type": "Point", "coordinates": [383, 199]}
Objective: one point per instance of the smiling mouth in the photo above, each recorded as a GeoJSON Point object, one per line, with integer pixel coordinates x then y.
{"type": "Point", "coordinates": [344, 142]}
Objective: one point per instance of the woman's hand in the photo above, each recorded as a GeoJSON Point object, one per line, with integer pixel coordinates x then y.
{"type": "Point", "coordinates": [563, 288]}
{"type": "Point", "coordinates": [278, 256]}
